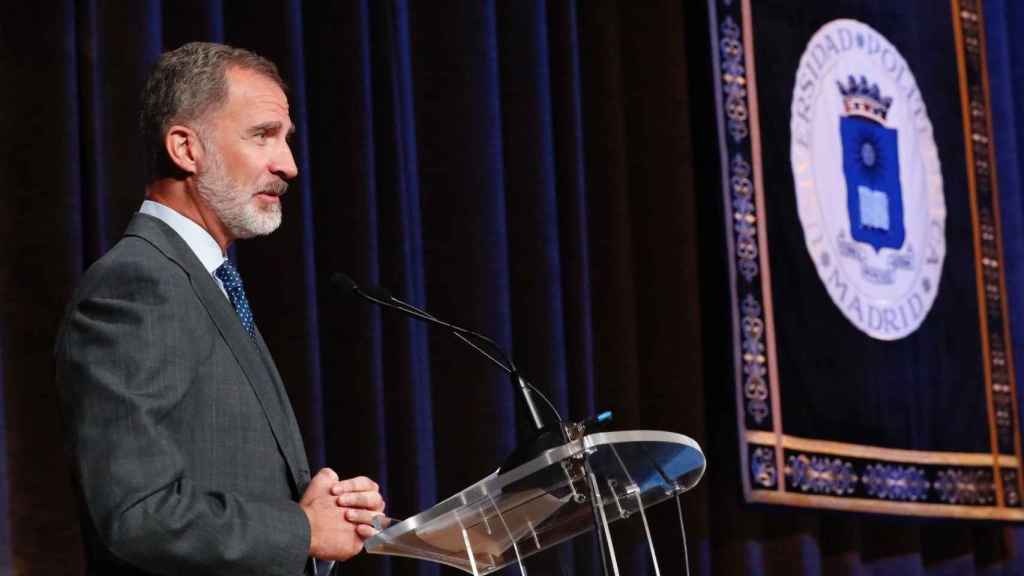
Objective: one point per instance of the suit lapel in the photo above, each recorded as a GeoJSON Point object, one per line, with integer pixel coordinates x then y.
{"type": "Point", "coordinates": [301, 463]}
{"type": "Point", "coordinates": [261, 374]}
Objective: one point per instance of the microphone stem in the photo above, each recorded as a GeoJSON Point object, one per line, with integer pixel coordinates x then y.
{"type": "Point", "coordinates": [510, 368]}
{"type": "Point", "coordinates": [524, 388]}
{"type": "Point", "coordinates": [462, 334]}
{"type": "Point", "coordinates": [486, 354]}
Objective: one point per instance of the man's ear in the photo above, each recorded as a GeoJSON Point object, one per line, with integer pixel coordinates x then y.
{"type": "Point", "coordinates": [183, 148]}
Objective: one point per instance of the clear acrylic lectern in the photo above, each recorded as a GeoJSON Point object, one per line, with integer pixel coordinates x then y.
{"type": "Point", "coordinates": [509, 516]}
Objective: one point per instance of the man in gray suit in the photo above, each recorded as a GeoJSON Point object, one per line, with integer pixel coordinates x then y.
{"type": "Point", "coordinates": [185, 450]}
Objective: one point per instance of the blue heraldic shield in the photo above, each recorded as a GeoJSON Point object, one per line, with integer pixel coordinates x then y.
{"type": "Point", "coordinates": [874, 198]}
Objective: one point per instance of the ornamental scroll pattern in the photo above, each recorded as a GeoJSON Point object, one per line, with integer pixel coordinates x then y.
{"type": "Point", "coordinates": [743, 222]}
{"type": "Point", "coordinates": [970, 487]}
{"type": "Point", "coordinates": [825, 474]}
{"type": "Point", "coordinates": [1011, 487]}
{"type": "Point", "coordinates": [820, 474]}
{"type": "Point", "coordinates": [734, 80]}
{"type": "Point", "coordinates": [895, 482]}
{"type": "Point", "coordinates": [755, 371]}
{"type": "Point", "coordinates": [762, 467]}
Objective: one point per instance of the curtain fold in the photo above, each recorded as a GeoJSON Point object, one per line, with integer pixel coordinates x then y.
{"type": "Point", "coordinates": [544, 172]}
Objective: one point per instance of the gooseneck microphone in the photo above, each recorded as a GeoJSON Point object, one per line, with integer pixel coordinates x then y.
{"type": "Point", "coordinates": [381, 296]}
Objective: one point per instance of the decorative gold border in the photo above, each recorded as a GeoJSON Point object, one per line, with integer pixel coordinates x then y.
{"type": "Point", "coordinates": [972, 186]}
{"type": "Point", "coordinates": [879, 453]}
{"type": "Point", "coordinates": [1008, 366]}
{"type": "Point", "coordinates": [887, 507]}
{"type": "Point", "coordinates": [767, 301]}
{"type": "Point", "coordinates": [988, 254]}
{"type": "Point", "coordinates": [718, 47]}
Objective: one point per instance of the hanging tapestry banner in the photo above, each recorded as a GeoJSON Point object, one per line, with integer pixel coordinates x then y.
{"type": "Point", "coordinates": [873, 358]}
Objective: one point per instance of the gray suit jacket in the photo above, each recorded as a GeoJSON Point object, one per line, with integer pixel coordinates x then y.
{"type": "Point", "coordinates": [181, 436]}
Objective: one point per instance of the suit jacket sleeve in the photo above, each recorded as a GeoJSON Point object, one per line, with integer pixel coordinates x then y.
{"type": "Point", "coordinates": [125, 363]}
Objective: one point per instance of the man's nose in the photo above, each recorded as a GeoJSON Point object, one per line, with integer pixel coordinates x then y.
{"type": "Point", "coordinates": [284, 163]}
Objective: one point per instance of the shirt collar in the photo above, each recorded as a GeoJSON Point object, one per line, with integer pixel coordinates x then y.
{"type": "Point", "coordinates": [197, 238]}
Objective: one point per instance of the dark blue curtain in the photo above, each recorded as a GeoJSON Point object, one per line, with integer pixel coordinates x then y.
{"type": "Point", "coordinates": [544, 172]}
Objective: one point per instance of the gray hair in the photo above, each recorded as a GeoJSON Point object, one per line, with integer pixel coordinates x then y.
{"type": "Point", "coordinates": [186, 84]}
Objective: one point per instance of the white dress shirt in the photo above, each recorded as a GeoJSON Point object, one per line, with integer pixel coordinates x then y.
{"type": "Point", "coordinates": [198, 239]}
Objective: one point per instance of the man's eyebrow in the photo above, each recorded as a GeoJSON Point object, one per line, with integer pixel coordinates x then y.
{"type": "Point", "coordinates": [271, 126]}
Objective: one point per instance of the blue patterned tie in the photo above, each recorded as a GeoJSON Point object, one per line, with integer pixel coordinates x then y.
{"type": "Point", "coordinates": [228, 274]}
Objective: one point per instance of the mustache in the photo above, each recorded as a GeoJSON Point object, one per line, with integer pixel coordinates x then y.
{"type": "Point", "coordinates": [277, 188]}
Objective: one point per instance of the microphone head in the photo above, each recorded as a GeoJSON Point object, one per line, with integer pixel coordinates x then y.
{"type": "Point", "coordinates": [347, 284]}
{"type": "Point", "coordinates": [342, 280]}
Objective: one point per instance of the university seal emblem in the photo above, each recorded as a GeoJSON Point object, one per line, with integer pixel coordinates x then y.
{"type": "Point", "coordinates": [868, 180]}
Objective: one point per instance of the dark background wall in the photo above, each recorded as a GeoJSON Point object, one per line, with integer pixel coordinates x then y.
{"type": "Point", "coordinates": [544, 172]}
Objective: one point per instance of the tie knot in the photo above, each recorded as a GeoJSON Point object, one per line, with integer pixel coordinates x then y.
{"type": "Point", "coordinates": [228, 274]}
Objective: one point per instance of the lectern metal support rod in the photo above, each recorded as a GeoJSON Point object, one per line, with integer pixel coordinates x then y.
{"type": "Point", "coordinates": [515, 547]}
{"type": "Point", "coordinates": [682, 528]}
{"type": "Point", "coordinates": [599, 502]}
{"type": "Point", "coordinates": [469, 552]}
{"type": "Point", "coordinates": [647, 529]}
{"type": "Point", "coordinates": [595, 502]}
{"type": "Point", "coordinates": [634, 489]}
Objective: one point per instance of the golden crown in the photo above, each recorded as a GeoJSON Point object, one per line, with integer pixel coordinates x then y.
{"type": "Point", "coordinates": [863, 99]}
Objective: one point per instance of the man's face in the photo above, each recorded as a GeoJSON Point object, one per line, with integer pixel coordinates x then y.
{"type": "Point", "coordinates": [247, 161]}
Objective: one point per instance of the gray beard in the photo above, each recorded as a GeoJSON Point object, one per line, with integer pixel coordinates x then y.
{"type": "Point", "coordinates": [233, 204]}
